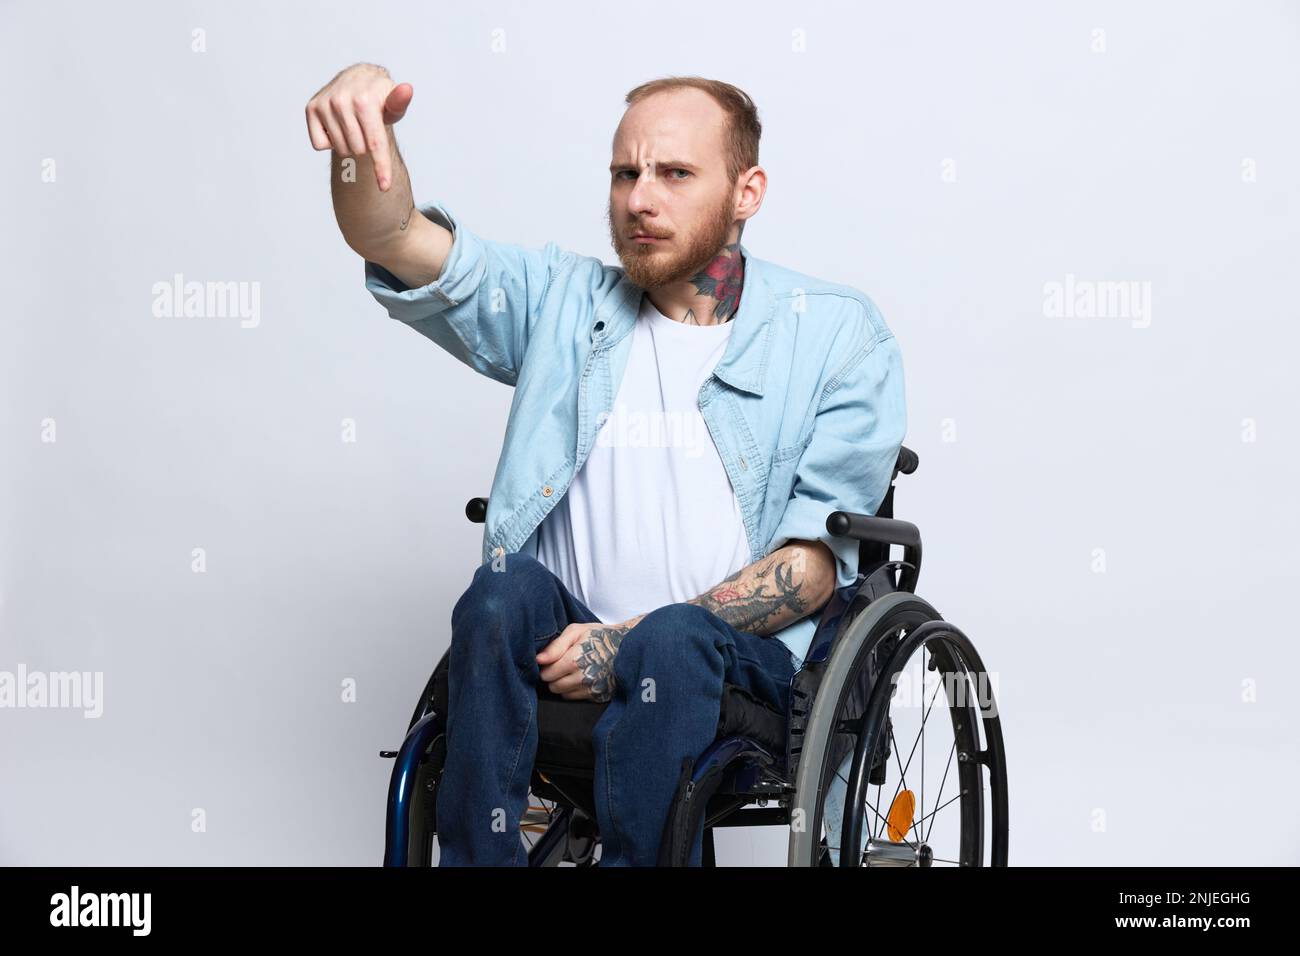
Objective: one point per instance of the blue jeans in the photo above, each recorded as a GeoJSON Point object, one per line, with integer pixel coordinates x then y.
{"type": "Point", "coordinates": [668, 673]}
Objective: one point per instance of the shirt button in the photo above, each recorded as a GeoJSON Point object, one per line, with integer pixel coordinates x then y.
{"type": "Point", "coordinates": [547, 490]}
{"type": "Point", "coordinates": [498, 551]}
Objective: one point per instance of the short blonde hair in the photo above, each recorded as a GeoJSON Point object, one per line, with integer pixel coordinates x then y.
{"type": "Point", "coordinates": [743, 127]}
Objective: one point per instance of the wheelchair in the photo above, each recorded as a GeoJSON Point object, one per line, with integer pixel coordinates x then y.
{"type": "Point", "coordinates": [800, 769]}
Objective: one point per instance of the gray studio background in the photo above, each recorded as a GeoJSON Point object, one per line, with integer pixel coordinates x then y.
{"type": "Point", "coordinates": [948, 159]}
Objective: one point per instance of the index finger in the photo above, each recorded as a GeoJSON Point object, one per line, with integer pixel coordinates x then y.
{"type": "Point", "coordinates": [563, 641]}
{"type": "Point", "coordinates": [545, 654]}
{"type": "Point", "coordinates": [372, 127]}
{"type": "Point", "coordinates": [316, 130]}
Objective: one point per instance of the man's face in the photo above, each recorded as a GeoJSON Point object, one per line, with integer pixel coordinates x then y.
{"type": "Point", "coordinates": [668, 180]}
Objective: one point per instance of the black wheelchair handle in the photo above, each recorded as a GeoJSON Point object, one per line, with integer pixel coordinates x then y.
{"type": "Point", "coordinates": [846, 524]}
{"type": "Point", "coordinates": [906, 462]}
{"type": "Point", "coordinates": [476, 510]}
{"type": "Point", "coordinates": [886, 531]}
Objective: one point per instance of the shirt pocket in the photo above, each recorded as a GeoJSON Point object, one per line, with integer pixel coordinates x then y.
{"type": "Point", "coordinates": [793, 451]}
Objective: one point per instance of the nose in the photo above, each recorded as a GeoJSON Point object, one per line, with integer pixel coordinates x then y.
{"type": "Point", "coordinates": [640, 202]}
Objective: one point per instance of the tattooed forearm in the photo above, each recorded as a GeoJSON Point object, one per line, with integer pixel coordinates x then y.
{"type": "Point", "coordinates": [596, 659]}
{"type": "Point", "coordinates": [774, 592]}
{"type": "Point", "coordinates": [761, 598]}
{"type": "Point", "coordinates": [748, 606]}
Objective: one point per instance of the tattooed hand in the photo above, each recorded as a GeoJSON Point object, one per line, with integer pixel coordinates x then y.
{"type": "Point", "coordinates": [579, 663]}
{"type": "Point", "coordinates": [595, 659]}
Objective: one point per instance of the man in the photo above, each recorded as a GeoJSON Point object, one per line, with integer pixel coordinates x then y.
{"type": "Point", "coordinates": [680, 430]}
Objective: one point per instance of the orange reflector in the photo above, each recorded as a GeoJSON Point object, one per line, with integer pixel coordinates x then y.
{"type": "Point", "coordinates": [900, 815]}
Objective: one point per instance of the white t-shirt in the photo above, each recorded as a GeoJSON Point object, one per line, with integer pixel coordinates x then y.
{"type": "Point", "coordinates": [651, 519]}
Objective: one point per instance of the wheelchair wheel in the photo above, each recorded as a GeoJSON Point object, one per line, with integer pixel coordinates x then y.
{"type": "Point", "coordinates": [878, 721]}
{"type": "Point", "coordinates": [420, 827]}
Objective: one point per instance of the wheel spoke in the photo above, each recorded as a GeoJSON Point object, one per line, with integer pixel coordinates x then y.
{"type": "Point", "coordinates": [902, 777]}
{"type": "Point", "coordinates": [885, 820]}
{"type": "Point", "coordinates": [943, 781]}
{"type": "Point", "coordinates": [936, 810]}
{"type": "Point", "coordinates": [866, 799]}
{"type": "Point", "coordinates": [921, 733]}
{"type": "Point", "coordinates": [925, 716]}
{"type": "Point", "coordinates": [902, 769]}
{"type": "Point", "coordinates": [526, 826]}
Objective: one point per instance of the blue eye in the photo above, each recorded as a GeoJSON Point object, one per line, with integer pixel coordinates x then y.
{"type": "Point", "coordinates": [624, 173]}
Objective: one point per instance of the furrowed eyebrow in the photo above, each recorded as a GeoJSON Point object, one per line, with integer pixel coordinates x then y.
{"type": "Point", "coordinates": [662, 164]}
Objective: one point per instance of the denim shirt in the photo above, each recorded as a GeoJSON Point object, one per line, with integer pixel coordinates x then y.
{"type": "Point", "coordinates": [806, 405]}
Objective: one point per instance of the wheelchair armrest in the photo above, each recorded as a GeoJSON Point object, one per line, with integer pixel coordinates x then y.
{"type": "Point", "coordinates": [846, 524]}
{"type": "Point", "coordinates": [887, 531]}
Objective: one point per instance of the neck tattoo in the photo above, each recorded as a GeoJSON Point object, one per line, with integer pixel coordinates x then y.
{"type": "Point", "coordinates": [722, 279]}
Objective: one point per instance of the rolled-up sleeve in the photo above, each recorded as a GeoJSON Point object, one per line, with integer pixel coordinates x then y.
{"type": "Point", "coordinates": [857, 433]}
{"type": "Point", "coordinates": [482, 306]}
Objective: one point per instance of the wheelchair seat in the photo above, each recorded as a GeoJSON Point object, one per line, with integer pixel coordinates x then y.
{"type": "Point", "coordinates": [565, 726]}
